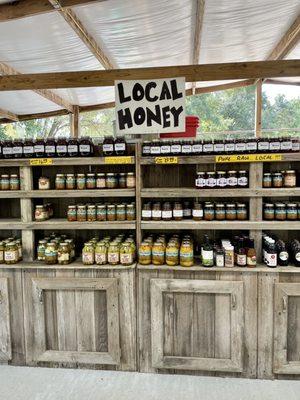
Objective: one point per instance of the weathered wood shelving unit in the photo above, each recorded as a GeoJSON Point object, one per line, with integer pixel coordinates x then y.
{"type": "Point", "coordinates": [217, 321]}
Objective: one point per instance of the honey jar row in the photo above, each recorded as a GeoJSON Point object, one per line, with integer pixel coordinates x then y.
{"type": "Point", "coordinates": [281, 211]}
{"type": "Point", "coordinates": [89, 181]}
{"type": "Point", "coordinates": [9, 182]}
{"type": "Point", "coordinates": [101, 212]}
{"type": "Point", "coordinates": [110, 251]}
{"type": "Point", "coordinates": [279, 179]}
{"type": "Point", "coordinates": [222, 179]}
{"type": "Point", "coordinates": [208, 211]}
{"type": "Point", "coordinates": [10, 250]}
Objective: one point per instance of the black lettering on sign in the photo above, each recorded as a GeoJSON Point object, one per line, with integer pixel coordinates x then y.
{"type": "Point", "coordinates": [124, 118]}
{"type": "Point", "coordinates": [139, 116]}
{"type": "Point", "coordinates": [149, 86]}
{"type": "Point", "coordinates": [175, 94]}
{"type": "Point", "coordinates": [138, 92]}
{"type": "Point", "coordinates": [176, 112]}
{"type": "Point", "coordinates": [153, 116]}
{"type": "Point", "coordinates": [122, 97]}
{"type": "Point", "coordinates": [166, 116]}
{"type": "Point", "coordinates": [165, 92]}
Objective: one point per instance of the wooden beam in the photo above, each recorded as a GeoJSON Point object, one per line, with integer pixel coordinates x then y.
{"type": "Point", "coordinates": [29, 8]}
{"type": "Point", "coordinates": [192, 73]}
{"type": "Point", "coordinates": [75, 123]}
{"type": "Point", "coordinates": [73, 21]}
{"type": "Point", "coordinates": [288, 41]}
{"type": "Point", "coordinates": [6, 69]}
{"type": "Point", "coordinates": [8, 115]}
{"type": "Point", "coordinates": [27, 117]}
{"type": "Point", "coordinates": [258, 108]}
{"type": "Point", "coordinates": [225, 86]}
{"type": "Point", "coordinates": [200, 5]}
{"type": "Point", "coordinates": [95, 107]}
{"type": "Point", "coordinates": [277, 82]}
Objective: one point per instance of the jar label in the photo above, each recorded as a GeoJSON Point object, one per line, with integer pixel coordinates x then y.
{"type": "Point", "coordinates": [208, 148]}
{"type": "Point", "coordinates": [175, 148]}
{"type": "Point", "coordinates": [72, 148]}
{"type": "Point", "coordinates": [188, 254]}
{"type": "Point", "coordinates": [219, 260]}
{"type": "Point", "coordinates": [219, 148]}
{"type": "Point", "coordinates": [200, 182]}
{"type": "Point", "coordinates": [296, 146]}
{"type": "Point", "coordinates": [229, 147]}
{"type": "Point", "coordinates": [243, 181]}
{"type": "Point", "coordinates": [146, 150]}
{"type": "Point", "coordinates": [113, 257]}
{"type": "Point", "coordinates": [251, 260]}
{"type": "Point", "coordinates": [10, 255]}
{"type": "Point", "coordinates": [166, 214]}
{"type": "Point", "coordinates": [271, 259]}
{"type": "Point", "coordinates": [165, 149]}
{"type": "Point", "coordinates": [263, 146]}
{"type": "Point", "coordinates": [251, 146]}
{"type": "Point", "coordinates": [171, 253]}
{"type": "Point", "coordinates": [50, 148]}
{"type": "Point", "coordinates": [284, 255]}
{"type": "Point", "coordinates": [207, 257]}
{"type": "Point", "coordinates": [120, 147]}
{"type": "Point", "coordinates": [187, 212]}
{"type": "Point", "coordinates": [63, 256]}
{"type": "Point", "coordinates": [241, 260]}
{"type": "Point", "coordinates": [221, 182]}
{"type": "Point", "coordinates": [198, 213]}
{"type": "Point", "coordinates": [87, 148]}
{"type": "Point", "coordinates": [275, 146]}
{"type": "Point", "coordinates": [7, 150]}
{"type": "Point", "coordinates": [61, 149]}
{"type": "Point", "coordinates": [17, 150]}
{"type": "Point", "coordinates": [100, 258]}
{"type": "Point", "coordinates": [186, 148]}
{"type": "Point", "coordinates": [232, 181]}
{"type": "Point", "coordinates": [297, 256]}
{"type": "Point", "coordinates": [286, 145]}
{"type": "Point", "coordinates": [28, 149]}
{"type": "Point", "coordinates": [155, 150]}
{"type": "Point", "coordinates": [211, 182]}
{"type": "Point", "coordinates": [177, 213]}
{"type": "Point", "coordinates": [156, 213]}
{"type": "Point", "coordinates": [240, 146]}
{"type": "Point", "coordinates": [197, 148]}
{"type": "Point", "coordinates": [50, 253]}
{"type": "Point", "coordinates": [157, 253]}
{"type": "Point", "coordinates": [106, 148]}
{"type": "Point", "coordinates": [144, 253]}
{"type": "Point", "coordinates": [126, 258]}
{"type": "Point", "coordinates": [88, 258]}
{"type": "Point", "coordinates": [39, 148]}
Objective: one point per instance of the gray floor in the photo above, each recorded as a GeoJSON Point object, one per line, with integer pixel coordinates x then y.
{"type": "Point", "coordinates": [23, 383]}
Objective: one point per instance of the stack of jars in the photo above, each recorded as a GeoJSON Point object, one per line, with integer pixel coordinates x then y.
{"type": "Point", "coordinates": [10, 251]}
{"type": "Point", "coordinates": [114, 146]}
{"type": "Point", "coordinates": [281, 211]}
{"type": "Point", "coordinates": [9, 182]}
{"type": "Point", "coordinates": [56, 249]}
{"type": "Point", "coordinates": [172, 252]}
{"type": "Point", "coordinates": [101, 212]}
{"type": "Point", "coordinates": [279, 179]}
{"type": "Point", "coordinates": [222, 179]}
{"type": "Point", "coordinates": [43, 212]}
{"type": "Point", "coordinates": [108, 251]}
{"type": "Point", "coordinates": [92, 181]}
{"type": "Point", "coordinates": [183, 210]}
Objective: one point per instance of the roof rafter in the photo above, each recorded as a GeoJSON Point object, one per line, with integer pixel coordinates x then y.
{"type": "Point", "coordinates": [27, 8]}
{"type": "Point", "coordinates": [97, 50]}
{"type": "Point", "coordinates": [8, 115]}
{"type": "Point", "coordinates": [6, 69]}
{"type": "Point", "coordinates": [200, 5]}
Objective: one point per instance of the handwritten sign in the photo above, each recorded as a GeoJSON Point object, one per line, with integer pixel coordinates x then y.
{"type": "Point", "coordinates": [40, 161]}
{"type": "Point", "coordinates": [248, 158]}
{"type": "Point", "coordinates": [150, 106]}
{"type": "Point", "coordinates": [166, 160]}
{"type": "Point", "coordinates": [119, 160]}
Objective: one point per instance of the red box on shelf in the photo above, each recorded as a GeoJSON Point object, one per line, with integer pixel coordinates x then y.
{"type": "Point", "coordinates": [191, 125]}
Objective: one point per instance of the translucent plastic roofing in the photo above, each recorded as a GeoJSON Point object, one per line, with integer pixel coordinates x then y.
{"type": "Point", "coordinates": [139, 33]}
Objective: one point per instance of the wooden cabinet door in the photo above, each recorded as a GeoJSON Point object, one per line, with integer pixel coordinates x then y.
{"type": "Point", "coordinates": [5, 337]}
{"type": "Point", "coordinates": [287, 328]}
{"type": "Point", "coordinates": [206, 314]}
{"type": "Point", "coordinates": [73, 320]}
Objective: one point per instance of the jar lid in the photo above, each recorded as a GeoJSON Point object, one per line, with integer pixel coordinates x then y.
{"type": "Point", "coordinates": [14, 175]}
{"type": "Point", "coordinates": [242, 172]}
{"type": "Point", "coordinates": [110, 174]}
{"type": "Point", "coordinates": [291, 171]}
{"type": "Point", "coordinates": [90, 174]}
{"type": "Point", "coordinates": [220, 205]}
{"type": "Point", "coordinates": [279, 204]}
{"type": "Point", "coordinates": [80, 174]}
{"type": "Point", "coordinates": [232, 172]}
{"type": "Point", "coordinates": [291, 204]}
{"type": "Point", "coordinates": [229, 205]}
{"type": "Point", "coordinates": [269, 205]}
{"type": "Point", "coordinates": [241, 205]}
{"type": "Point", "coordinates": [60, 174]}
{"type": "Point", "coordinates": [278, 173]}
{"type": "Point", "coordinates": [267, 173]}
{"type": "Point", "coordinates": [130, 173]}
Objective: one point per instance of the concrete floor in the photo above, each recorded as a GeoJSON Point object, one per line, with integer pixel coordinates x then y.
{"type": "Point", "coordinates": [23, 383]}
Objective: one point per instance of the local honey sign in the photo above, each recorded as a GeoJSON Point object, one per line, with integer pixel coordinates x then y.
{"type": "Point", "coordinates": [150, 106]}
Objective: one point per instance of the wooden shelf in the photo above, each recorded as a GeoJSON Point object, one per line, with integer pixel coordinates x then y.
{"type": "Point", "coordinates": [77, 265]}
{"type": "Point", "coordinates": [13, 194]}
{"type": "Point", "coordinates": [210, 159]}
{"type": "Point", "coordinates": [220, 225]}
{"type": "Point", "coordinates": [62, 223]}
{"type": "Point", "coordinates": [197, 268]}
{"type": "Point", "coordinates": [81, 193]}
{"type": "Point", "coordinates": [25, 162]}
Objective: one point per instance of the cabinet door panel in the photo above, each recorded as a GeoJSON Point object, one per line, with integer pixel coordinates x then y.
{"type": "Point", "coordinates": [197, 324]}
{"type": "Point", "coordinates": [5, 337]}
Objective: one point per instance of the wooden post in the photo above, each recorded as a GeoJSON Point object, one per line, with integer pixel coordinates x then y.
{"type": "Point", "coordinates": [75, 122]}
{"type": "Point", "coordinates": [258, 108]}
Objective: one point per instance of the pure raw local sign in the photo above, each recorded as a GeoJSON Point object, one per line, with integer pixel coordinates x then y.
{"type": "Point", "coordinates": [156, 106]}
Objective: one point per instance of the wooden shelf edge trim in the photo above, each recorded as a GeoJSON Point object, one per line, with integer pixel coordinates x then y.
{"type": "Point", "coordinates": [221, 225]}
{"type": "Point", "coordinates": [73, 266]}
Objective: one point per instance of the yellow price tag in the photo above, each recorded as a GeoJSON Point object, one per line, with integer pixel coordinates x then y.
{"type": "Point", "coordinates": [119, 160]}
{"type": "Point", "coordinates": [166, 160]}
{"type": "Point", "coordinates": [41, 161]}
{"type": "Point", "coordinates": [248, 158]}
